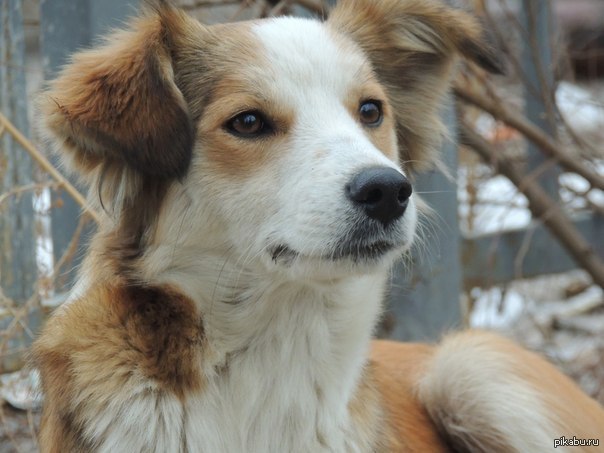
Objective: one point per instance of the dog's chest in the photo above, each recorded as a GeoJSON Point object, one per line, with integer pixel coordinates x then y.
{"type": "Point", "coordinates": [234, 415]}
{"type": "Point", "coordinates": [287, 390]}
{"type": "Point", "coordinates": [280, 374]}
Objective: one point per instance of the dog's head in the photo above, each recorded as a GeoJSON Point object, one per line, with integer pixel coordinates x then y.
{"type": "Point", "coordinates": [282, 141]}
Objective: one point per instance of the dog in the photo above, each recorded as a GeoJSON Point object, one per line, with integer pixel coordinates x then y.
{"type": "Point", "coordinates": [253, 184]}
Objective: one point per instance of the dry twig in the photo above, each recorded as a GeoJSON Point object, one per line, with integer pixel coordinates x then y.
{"type": "Point", "coordinates": [17, 191]}
{"type": "Point", "coordinates": [47, 166]}
{"type": "Point", "coordinates": [540, 204]}
{"type": "Point", "coordinates": [499, 111]}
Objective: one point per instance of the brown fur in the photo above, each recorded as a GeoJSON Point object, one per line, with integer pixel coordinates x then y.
{"type": "Point", "coordinates": [397, 368]}
{"type": "Point", "coordinates": [120, 103]}
{"type": "Point", "coordinates": [382, 137]}
{"type": "Point", "coordinates": [123, 124]}
{"type": "Point", "coordinates": [113, 342]}
{"type": "Point", "coordinates": [233, 156]}
{"type": "Point", "coordinates": [367, 409]}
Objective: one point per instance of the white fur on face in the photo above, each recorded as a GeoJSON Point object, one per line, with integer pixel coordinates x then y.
{"type": "Point", "coordinates": [299, 200]}
{"type": "Point", "coordinates": [316, 75]}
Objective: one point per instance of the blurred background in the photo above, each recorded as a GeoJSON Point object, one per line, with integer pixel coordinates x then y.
{"type": "Point", "coordinates": [515, 240]}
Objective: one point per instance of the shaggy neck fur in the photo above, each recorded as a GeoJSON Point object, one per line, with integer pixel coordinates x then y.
{"type": "Point", "coordinates": [291, 357]}
{"type": "Point", "coordinates": [284, 357]}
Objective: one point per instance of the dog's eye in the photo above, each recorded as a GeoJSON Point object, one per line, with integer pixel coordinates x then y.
{"type": "Point", "coordinates": [248, 124]}
{"type": "Point", "coordinates": [370, 113]}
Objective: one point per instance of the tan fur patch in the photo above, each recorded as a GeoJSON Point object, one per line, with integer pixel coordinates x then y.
{"type": "Point", "coordinates": [116, 340]}
{"type": "Point", "coordinates": [369, 88]}
{"type": "Point", "coordinates": [221, 76]}
{"type": "Point", "coordinates": [232, 155]}
{"type": "Point", "coordinates": [367, 414]}
{"type": "Point", "coordinates": [397, 368]}
{"type": "Point", "coordinates": [58, 430]}
{"type": "Point", "coordinates": [383, 136]}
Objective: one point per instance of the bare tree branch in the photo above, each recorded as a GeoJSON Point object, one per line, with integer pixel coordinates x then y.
{"type": "Point", "coordinates": [499, 111]}
{"type": "Point", "coordinates": [540, 204]}
{"type": "Point", "coordinates": [47, 166]}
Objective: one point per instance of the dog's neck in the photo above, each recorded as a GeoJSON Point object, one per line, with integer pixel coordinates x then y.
{"type": "Point", "coordinates": [285, 358]}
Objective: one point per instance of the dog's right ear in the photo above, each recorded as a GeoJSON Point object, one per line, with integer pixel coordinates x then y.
{"type": "Point", "coordinates": [118, 105]}
{"type": "Point", "coordinates": [412, 45]}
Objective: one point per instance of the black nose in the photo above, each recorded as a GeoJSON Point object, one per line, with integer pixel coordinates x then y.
{"type": "Point", "coordinates": [382, 192]}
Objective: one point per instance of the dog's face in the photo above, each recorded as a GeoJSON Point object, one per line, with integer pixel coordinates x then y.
{"type": "Point", "coordinates": [297, 152]}
{"type": "Point", "coordinates": [279, 142]}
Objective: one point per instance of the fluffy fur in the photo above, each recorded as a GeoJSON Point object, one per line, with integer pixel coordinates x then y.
{"type": "Point", "coordinates": [228, 299]}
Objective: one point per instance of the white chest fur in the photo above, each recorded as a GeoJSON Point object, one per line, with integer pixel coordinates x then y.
{"type": "Point", "coordinates": [292, 363]}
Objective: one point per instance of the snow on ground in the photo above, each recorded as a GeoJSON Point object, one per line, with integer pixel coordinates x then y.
{"type": "Point", "coordinates": [495, 309]}
{"type": "Point", "coordinates": [560, 316]}
{"type": "Point", "coordinates": [498, 206]}
{"type": "Point", "coordinates": [572, 184]}
{"type": "Point", "coordinates": [579, 108]}
{"type": "Point", "coordinates": [44, 247]}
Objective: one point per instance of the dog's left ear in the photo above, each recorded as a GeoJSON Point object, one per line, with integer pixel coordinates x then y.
{"type": "Point", "coordinates": [412, 45]}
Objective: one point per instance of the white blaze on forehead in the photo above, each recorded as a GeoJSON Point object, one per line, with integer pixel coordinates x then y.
{"type": "Point", "coordinates": [319, 75]}
{"type": "Point", "coordinates": [304, 53]}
